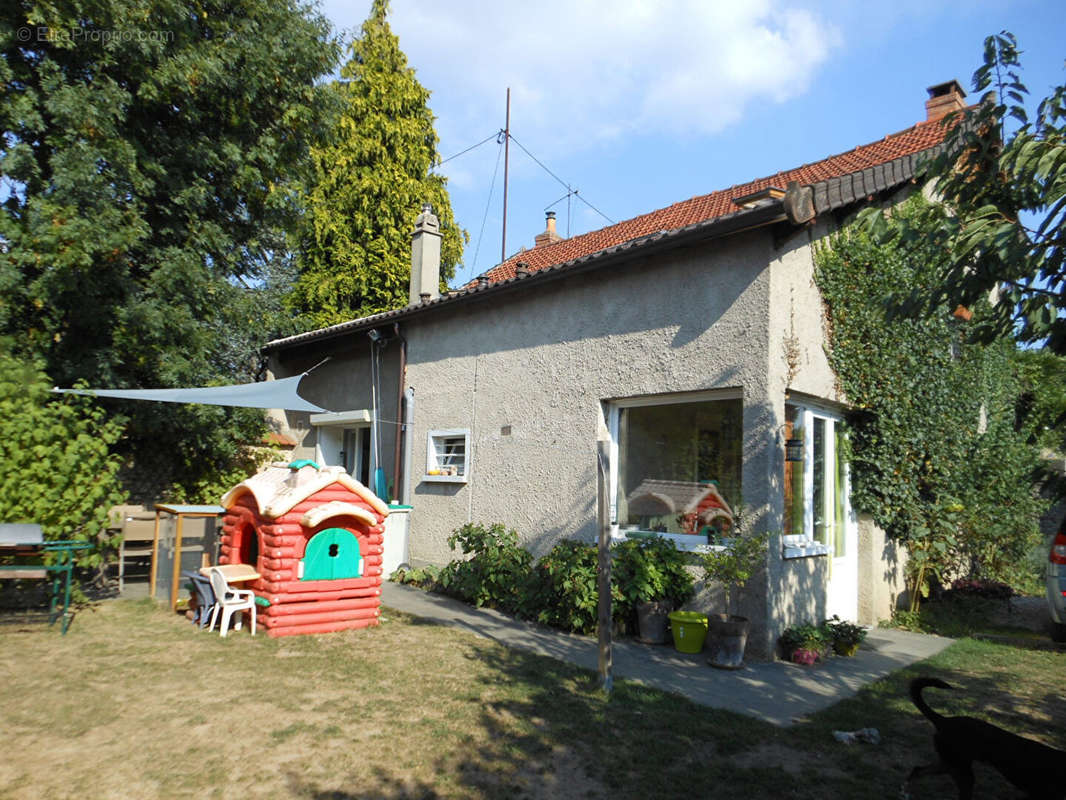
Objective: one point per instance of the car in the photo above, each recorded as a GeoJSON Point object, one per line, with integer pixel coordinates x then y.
{"type": "Point", "coordinates": [1056, 585]}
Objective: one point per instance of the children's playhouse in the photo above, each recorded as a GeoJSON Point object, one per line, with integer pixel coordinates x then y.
{"type": "Point", "coordinates": [315, 535]}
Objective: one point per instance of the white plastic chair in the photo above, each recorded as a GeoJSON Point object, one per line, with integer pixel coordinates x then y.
{"type": "Point", "coordinates": [228, 600]}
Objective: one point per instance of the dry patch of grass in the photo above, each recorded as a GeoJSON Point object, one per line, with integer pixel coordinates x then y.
{"type": "Point", "coordinates": [135, 702]}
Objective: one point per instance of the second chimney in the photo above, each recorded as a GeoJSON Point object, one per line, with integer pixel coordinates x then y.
{"type": "Point", "coordinates": [425, 258]}
{"type": "Point", "coordinates": [943, 99]}
{"type": "Point", "coordinates": [550, 234]}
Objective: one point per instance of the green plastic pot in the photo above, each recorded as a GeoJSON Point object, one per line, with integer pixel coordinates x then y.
{"type": "Point", "coordinates": [689, 629]}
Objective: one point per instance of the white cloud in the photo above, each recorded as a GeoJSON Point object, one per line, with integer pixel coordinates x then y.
{"type": "Point", "coordinates": [594, 70]}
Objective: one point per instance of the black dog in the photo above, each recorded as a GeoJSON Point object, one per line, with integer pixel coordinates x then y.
{"type": "Point", "coordinates": [1035, 768]}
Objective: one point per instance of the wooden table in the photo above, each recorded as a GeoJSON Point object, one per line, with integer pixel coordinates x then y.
{"type": "Point", "coordinates": [233, 573]}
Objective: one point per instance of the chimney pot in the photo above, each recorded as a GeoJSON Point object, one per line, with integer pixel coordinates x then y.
{"type": "Point", "coordinates": [425, 257]}
{"type": "Point", "coordinates": [943, 99]}
{"type": "Point", "coordinates": [550, 234]}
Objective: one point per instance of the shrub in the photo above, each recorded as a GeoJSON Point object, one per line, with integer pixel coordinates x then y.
{"type": "Point", "coordinates": [496, 572]}
{"type": "Point", "coordinates": [991, 590]}
{"type": "Point", "coordinates": [563, 592]}
{"type": "Point", "coordinates": [809, 637]}
{"type": "Point", "coordinates": [59, 468]}
{"type": "Point", "coordinates": [844, 636]}
{"type": "Point", "coordinates": [648, 569]}
{"type": "Point", "coordinates": [736, 564]}
{"type": "Point", "coordinates": [422, 577]}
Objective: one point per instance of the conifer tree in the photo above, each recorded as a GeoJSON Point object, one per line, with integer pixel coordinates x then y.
{"type": "Point", "coordinates": [372, 176]}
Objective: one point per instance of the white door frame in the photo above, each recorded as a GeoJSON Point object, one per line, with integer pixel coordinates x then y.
{"type": "Point", "coordinates": [330, 430]}
{"type": "Point", "coordinates": [842, 586]}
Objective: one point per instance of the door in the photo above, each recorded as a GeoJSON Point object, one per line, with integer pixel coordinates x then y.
{"type": "Point", "coordinates": [827, 514]}
{"type": "Point", "coordinates": [332, 554]}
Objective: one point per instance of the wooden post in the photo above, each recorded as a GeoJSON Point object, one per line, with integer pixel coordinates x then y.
{"type": "Point", "coordinates": [177, 563]}
{"type": "Point", "coordinates": [603, 570]}
{"type": "Point", "coordinates": [155, 555]}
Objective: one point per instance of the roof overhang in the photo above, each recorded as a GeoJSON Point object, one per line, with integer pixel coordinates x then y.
{"type": "Point", "coordinates": [770, 207]}
{"type": "Point", "coordinates": [642, 247]}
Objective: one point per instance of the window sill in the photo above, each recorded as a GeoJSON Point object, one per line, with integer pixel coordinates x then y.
{"type": "Point", "coordinates": [686, 543]}
{"type": "Point", "coordinates": [444, 478]}
{"type": "Point", "coordinates": [806, 549]}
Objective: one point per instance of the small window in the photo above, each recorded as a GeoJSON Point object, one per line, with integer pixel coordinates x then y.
{"type": "Point", "coordinates": [448, 456]}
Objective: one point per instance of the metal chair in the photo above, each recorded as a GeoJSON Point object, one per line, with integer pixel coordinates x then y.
{"type": "Point", "coordinates": [228, 600]}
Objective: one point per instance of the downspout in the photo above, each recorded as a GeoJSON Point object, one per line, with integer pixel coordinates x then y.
{"type": "Point", "coordinates": [401, 431]}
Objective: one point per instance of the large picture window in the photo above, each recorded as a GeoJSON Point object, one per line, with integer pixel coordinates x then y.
{"type": "Point", "coordinates": [676, 465]}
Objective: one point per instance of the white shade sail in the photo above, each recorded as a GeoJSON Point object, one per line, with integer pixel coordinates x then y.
{"type": "Point", "coordinates": [280, 394]}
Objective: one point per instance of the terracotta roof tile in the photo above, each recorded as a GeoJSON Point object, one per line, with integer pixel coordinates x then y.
{"type": "Point", "coordinates": [913, 140]}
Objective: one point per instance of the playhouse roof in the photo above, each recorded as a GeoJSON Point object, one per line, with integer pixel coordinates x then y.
{"type": "Point", "coordinates": [280, 487]}
{"type": "Point", "coordinates": [658, 497]}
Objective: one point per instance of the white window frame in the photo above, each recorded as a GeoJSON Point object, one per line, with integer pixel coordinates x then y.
{"type": "Point", "coordinates": [683, 542]}
{"type": "Point", "coordinates": [801, 545]}
{"type": "Point", "coordinates": [434, 456]}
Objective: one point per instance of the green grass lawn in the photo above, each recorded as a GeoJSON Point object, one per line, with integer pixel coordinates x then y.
{"type": "Point", "coordinates": [136, 702]}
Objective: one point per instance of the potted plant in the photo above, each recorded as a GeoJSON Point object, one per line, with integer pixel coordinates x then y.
{"type": "Point", "coordinates": [844, 636]}
{"type": "Point", "coordinates": [733, 566]}
{"type": "Point", "coordinates": [804, 644]}
{"type": "Point", "coordinates": [651, 576]}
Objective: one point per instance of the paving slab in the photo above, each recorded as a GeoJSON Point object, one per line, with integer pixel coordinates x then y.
{"type": "Point", "coordinates": [777, 692]}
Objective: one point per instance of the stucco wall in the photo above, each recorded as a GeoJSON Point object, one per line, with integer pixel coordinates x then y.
{"type": "Point", "coordinates": [541, 363]}
{"type": "Point", "coordinates": [528, 374]}
{"type": "Point", "coordinates": [342, 384]}
{"type": "Point", "coordinates": [881, 572]}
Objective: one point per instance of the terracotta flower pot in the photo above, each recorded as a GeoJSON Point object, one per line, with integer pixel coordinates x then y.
{"type": "Point", "coordinates": [653, 621]}
{"type": "Point", "coordinates": [804, 656]}
{"type": "Point", "coordinates": [728, 636]}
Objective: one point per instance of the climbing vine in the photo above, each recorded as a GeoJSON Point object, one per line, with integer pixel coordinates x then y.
{"type": "Point", "coordinates": [940, 454]}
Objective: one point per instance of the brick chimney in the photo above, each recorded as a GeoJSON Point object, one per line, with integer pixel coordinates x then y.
{"type": "Point", "coordinates": [550, 235]}
{"type": "Point", "coordinates": [425, 258]}
{"type": "Point", "coordinates": [943, 99]}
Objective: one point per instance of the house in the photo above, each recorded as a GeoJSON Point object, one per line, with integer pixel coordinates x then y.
{"type": "Point", "coordinates": [314, 535]}
{"type": "Point", "coordinates": [690, 338]}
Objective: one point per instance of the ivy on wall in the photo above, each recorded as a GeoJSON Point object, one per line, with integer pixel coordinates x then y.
{"type": "Point", "coordinates": [940, 458]}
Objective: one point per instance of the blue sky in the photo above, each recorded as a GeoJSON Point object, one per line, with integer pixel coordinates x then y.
{"type": "Point", "coordinates": [638, 104]}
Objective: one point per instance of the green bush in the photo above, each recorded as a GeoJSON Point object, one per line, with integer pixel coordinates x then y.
{"type": "Point", "coordinates": [645, 570]}
{"type": "Point", "coordinates": [496, 572]}
{"type": "Point", "coordinates": [564, 593]}
{"type": "Point", "coordinates": [59, 470]}
{"type": "Point", "coordinates": [808, 636]}
{"type": "Point", "coordinates": [561, 588]}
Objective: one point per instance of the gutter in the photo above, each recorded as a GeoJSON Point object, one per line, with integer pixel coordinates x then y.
{"type": "Point", "coordinates": [401, 382]}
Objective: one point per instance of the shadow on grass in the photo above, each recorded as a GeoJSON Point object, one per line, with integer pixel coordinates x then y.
{"type": "Point", "coordinates": [907, 737]}
{"type": "Point", "coordinates": [545, 730]}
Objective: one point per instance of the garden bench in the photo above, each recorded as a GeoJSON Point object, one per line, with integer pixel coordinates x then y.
{"type": "Point", "coordinates": [26, 540]}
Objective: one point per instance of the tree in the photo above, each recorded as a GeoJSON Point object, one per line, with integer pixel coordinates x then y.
{"type": "Point", "coordinates": [1004, 178]}
{"type": "Point", "coordinates": [58, 468]}
{"type": "Point", "coordinates": [940, 456]}
{"type": "Point", "coordinates": [149, 157]}
{"type": "Point", "coordinates": [371, 177]}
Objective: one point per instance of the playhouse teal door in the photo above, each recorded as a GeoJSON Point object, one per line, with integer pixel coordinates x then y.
{"type": "Point", "coordinates": [332, 554]}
